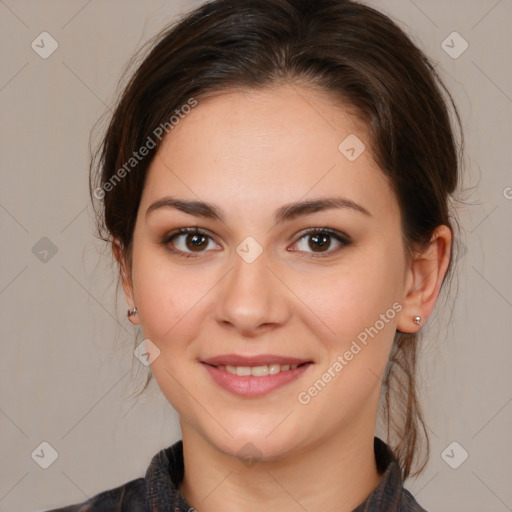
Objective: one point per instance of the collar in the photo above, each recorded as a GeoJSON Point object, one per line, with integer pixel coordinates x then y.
{"type": "Point", "coordinates": [166, 471]}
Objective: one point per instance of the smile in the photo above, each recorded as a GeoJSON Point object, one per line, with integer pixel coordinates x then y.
{"type": "Point", "coordinates": [250, 376]}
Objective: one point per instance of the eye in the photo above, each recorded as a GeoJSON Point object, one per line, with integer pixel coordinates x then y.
{"type": "Point", "coordinates": [321, 241]}
{"type": "Point", "coordinates": [186, 241]}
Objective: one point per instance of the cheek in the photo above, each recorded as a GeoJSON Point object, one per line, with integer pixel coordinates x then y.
{"type": "Point", "coordinates": [171, 304]}
{"type": "Point", "coordinates": [353, 296]}
{"type": "Point", "coordinates": [360, 310]}
{"type": "Point", "coordinates": [169, 296]}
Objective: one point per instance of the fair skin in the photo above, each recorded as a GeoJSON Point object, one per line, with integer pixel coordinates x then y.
{"type": "Point", "coordinates": [249, 154]}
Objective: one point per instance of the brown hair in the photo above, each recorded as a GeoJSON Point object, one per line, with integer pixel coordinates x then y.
{"type": "Point", "coordinates": [340, 46]}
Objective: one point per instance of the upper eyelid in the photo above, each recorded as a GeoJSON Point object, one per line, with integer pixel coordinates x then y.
{"type": "Point", "coordinates": [202, 231]}
{"type": "Point", "coordinates": [329, 231]}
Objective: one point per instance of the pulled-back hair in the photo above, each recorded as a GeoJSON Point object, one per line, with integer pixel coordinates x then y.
{"type": "Point", "coordinates": [339, 46]}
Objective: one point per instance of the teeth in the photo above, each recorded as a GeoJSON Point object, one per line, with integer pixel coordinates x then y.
{"type": "Point", "coordinates": [274, 368]}
{"type": "Point", "coordinates": [258, 371]}
{"type": "Point", "coordinates": [243, 371]}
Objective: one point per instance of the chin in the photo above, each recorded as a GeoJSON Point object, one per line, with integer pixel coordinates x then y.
{"type": "Point", "coordinates": [252, 442]}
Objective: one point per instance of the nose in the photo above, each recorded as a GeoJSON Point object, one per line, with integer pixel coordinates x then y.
{"type": "Point", "coordinates": [251, 300]}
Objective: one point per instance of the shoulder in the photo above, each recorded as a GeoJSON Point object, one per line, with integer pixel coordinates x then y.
{"type": "Point", "coordinates": [129, 497]}
{"type": "Point", "coordinates": [409, 504]}
{"type": "Point", "coordinates": [157, 490]}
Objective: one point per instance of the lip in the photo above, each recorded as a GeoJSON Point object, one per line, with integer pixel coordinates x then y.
{"type": "Point", "coordinates": [258, 360]}
{"type": "Point", "coordinates": [250, 385]}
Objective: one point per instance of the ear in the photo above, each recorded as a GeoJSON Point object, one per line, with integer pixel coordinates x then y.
{"type": "Point", "coordinates": [126, 279]}
{"type": "Point", "coordinates": [424, 279]}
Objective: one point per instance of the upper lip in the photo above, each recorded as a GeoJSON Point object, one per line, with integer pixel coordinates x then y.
{"type": "Point", "coordinates": [257, 360]}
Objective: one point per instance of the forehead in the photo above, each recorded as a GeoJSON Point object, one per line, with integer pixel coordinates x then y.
{"type": "Point", "coordinates": [267, 147]}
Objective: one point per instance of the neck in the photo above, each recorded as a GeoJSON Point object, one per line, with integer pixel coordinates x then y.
{"type": "Point", "coordinates": [336, 473]}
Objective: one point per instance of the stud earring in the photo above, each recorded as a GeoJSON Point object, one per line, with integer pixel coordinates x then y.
{"type": "Point", "coordinates": [417, 320]}
{"type": "Point", "coordinates": [132, 312]}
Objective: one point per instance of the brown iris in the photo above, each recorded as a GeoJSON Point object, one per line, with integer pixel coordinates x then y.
{"type": "Point", "coordinates": [319, 241]}
{"type": "Point", "coordinates": [196, 242]}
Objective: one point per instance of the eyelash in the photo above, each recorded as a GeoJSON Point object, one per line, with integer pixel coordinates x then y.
{"type": "Point", "coordinates": [344, 240]}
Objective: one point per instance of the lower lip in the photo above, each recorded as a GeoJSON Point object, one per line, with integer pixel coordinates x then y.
{"type": "Point", "coordinates": [251, 386]}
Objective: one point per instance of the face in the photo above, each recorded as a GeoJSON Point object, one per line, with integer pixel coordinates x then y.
{"type": "Point", "coordinates": [275, 313]}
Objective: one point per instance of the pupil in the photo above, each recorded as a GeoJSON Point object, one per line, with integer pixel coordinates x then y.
{"type": "Point", "coordinates": [196, 241]}
{"type": "Point", "coordinates": [320, 241]}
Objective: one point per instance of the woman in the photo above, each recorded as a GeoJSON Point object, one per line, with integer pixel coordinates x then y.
{"type": "Point", "coordinates": [275, 184]}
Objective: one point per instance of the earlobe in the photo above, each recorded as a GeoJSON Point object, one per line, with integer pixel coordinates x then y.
{"type": "Point", "coordinates": [424, 279]}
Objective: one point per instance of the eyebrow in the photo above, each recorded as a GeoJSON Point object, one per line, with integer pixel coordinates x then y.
{"type": "Point", "coordinates": [285, 213]}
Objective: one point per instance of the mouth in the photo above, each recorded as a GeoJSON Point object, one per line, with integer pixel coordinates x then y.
{"type": "Point", "coordinates": [255, 375]}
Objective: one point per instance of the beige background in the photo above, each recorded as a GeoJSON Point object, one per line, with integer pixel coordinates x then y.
{"type": "Point", "coordinates": [67, 366]}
